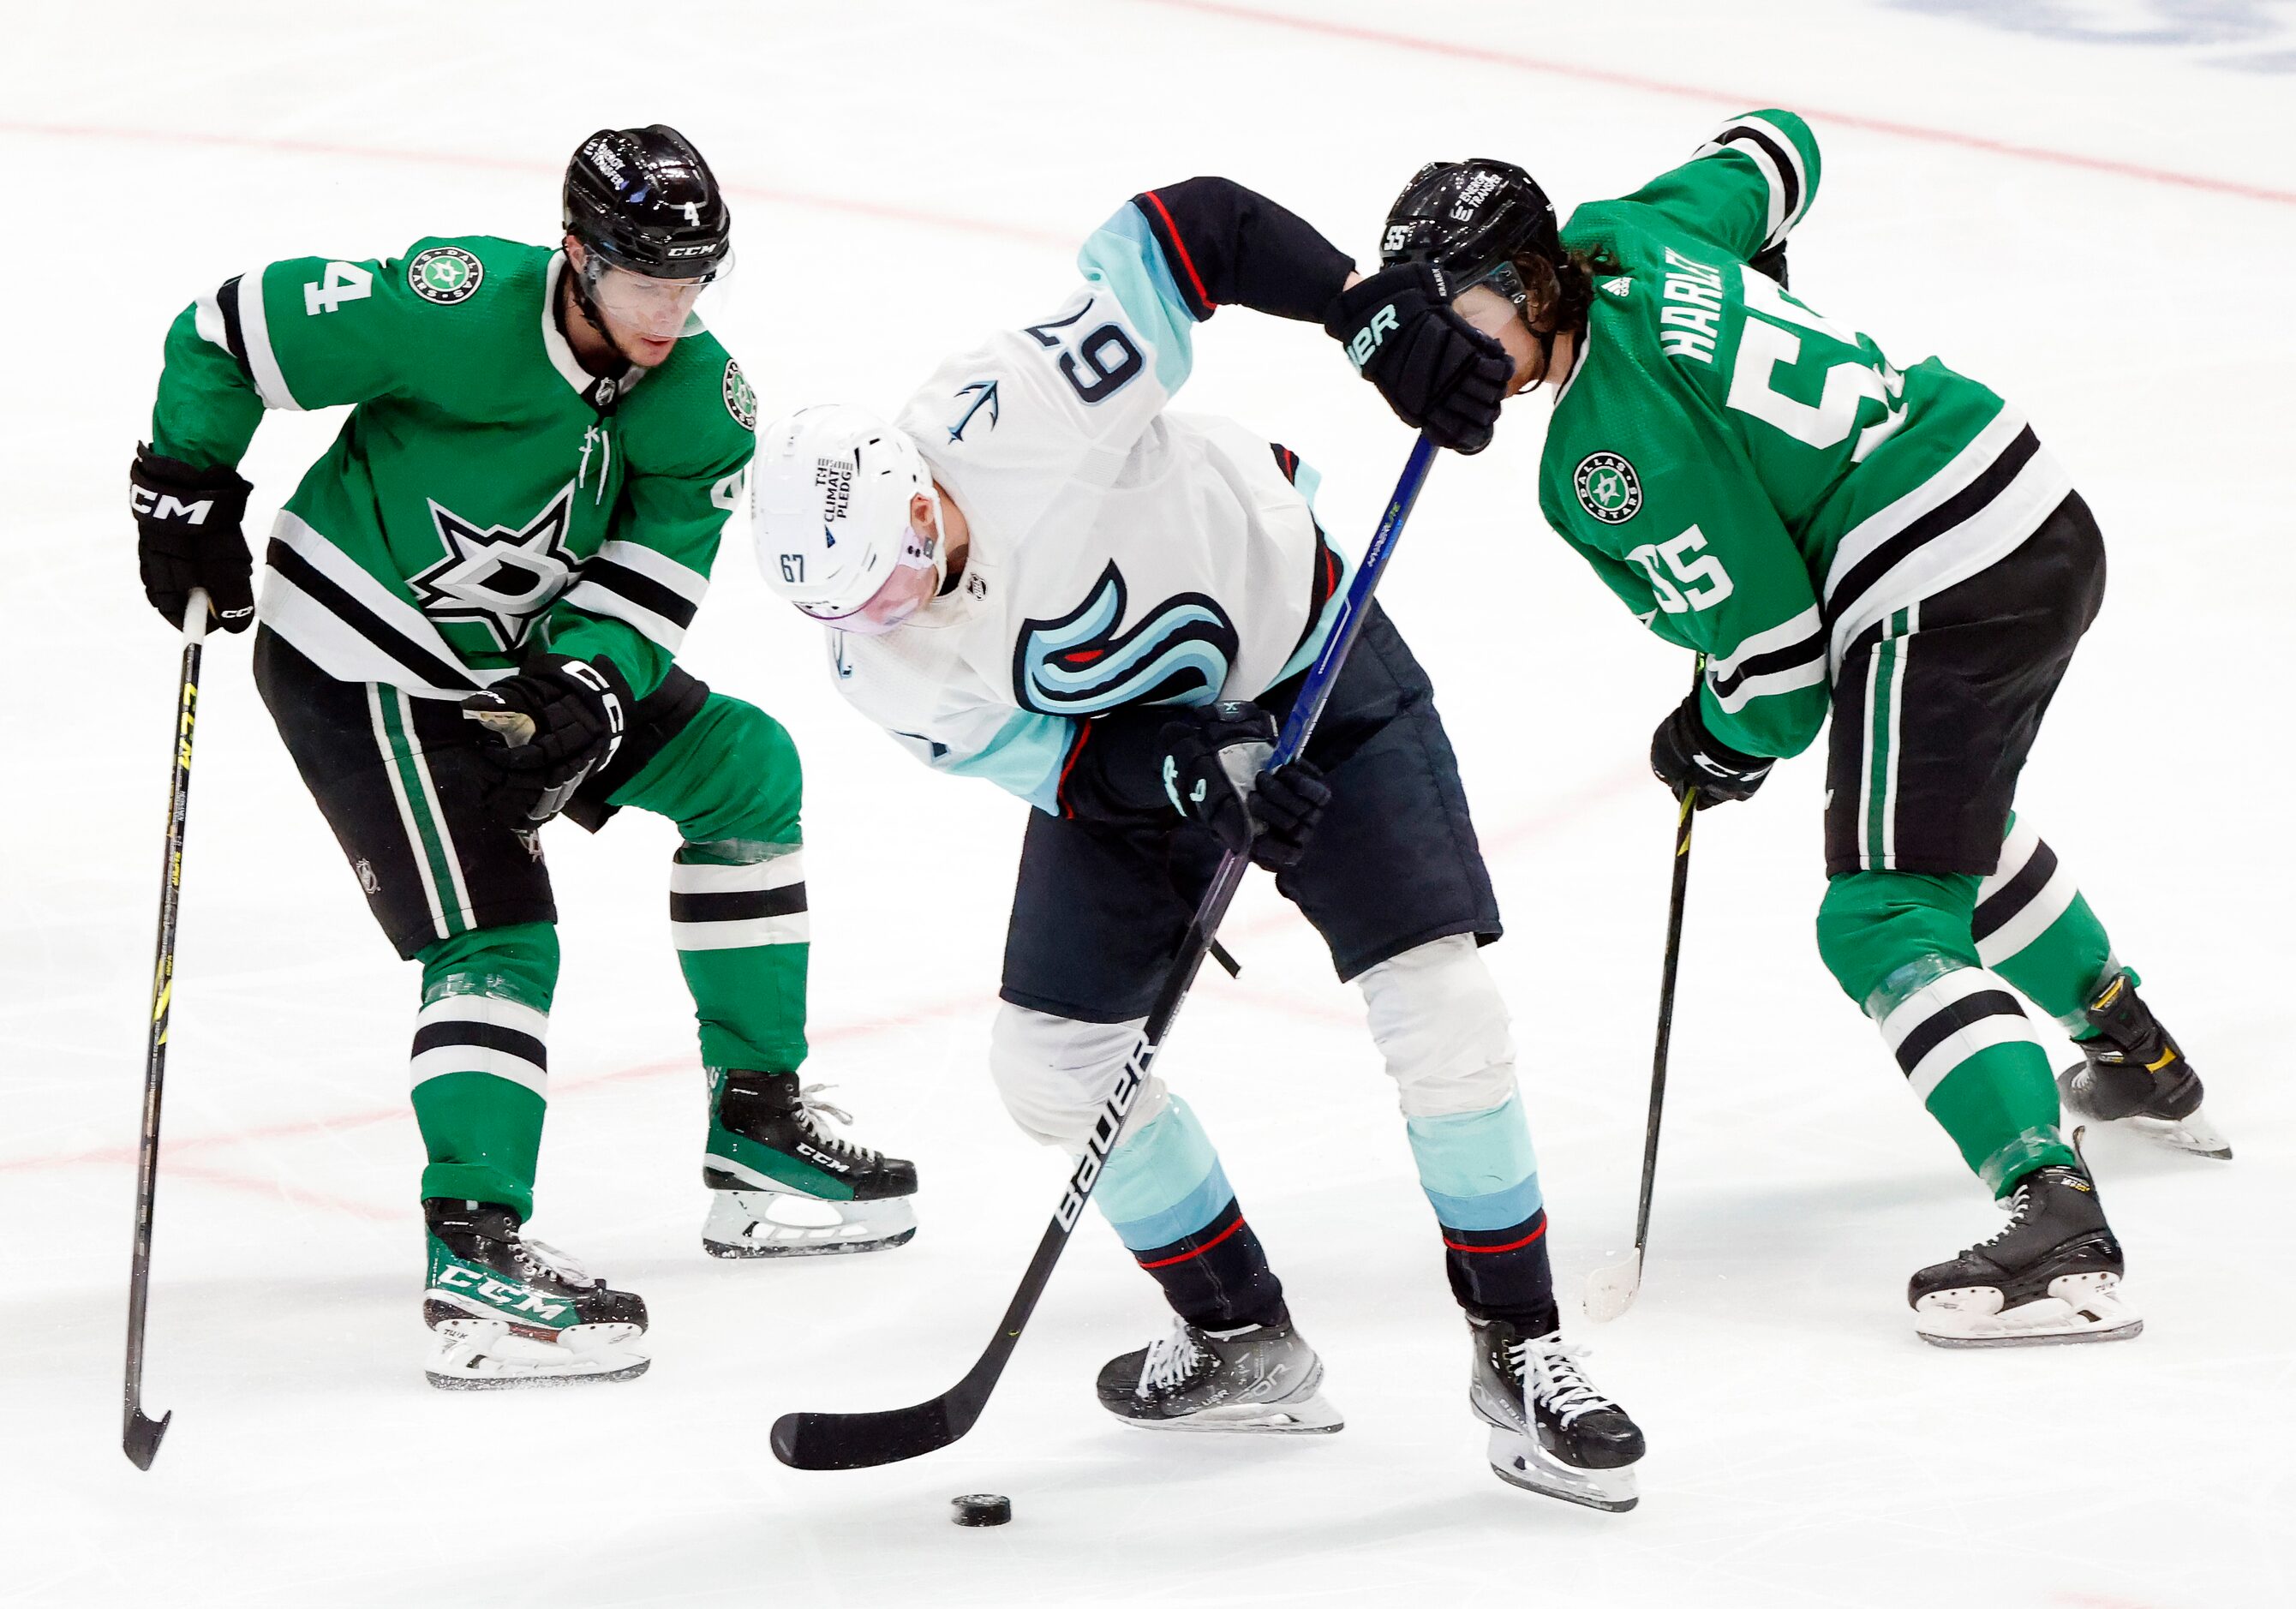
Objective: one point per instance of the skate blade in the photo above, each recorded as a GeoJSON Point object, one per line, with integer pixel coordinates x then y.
{"type": "Point", "coordinates": [488, 1355]}
{"type": "Point", "coordinates": [769, 1223]}
{"type": "Point", "coordinates": [2191, 1133]}
{"type": "Point", "coordinates": [2078, 1307]}
{"type": "Point", "coordinates": [1521, 1461]}
{"type": "Point", "coordinates": [1310, 1416]}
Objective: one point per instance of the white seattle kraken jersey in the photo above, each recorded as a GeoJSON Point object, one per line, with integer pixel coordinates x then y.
{"type": "Point", "coordinates": [1119, 554]}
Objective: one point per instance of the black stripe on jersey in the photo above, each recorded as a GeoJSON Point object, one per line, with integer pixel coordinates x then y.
{"type": "Point", "coordinates": [644, 591]}
{"type": "Point", "coordinates": [228, 304]}
{"type": "Point", "coordinates": [1962, 506]}
{"type": "Point", "coordinates": [738, 905]}
{"type": "Point", "coordinates": [1807, 651]}
{"type": "Point", "coordinates": [1948, 1019]}
{"type": "Point", "coordinates": [2014, 895]}
{"type": "Point", "coordinates": [427, 668]}
{"type": "Point", "coordinates": [487, 1036]}
{"type": "Point", "coordinates": [1286, 460]}
{"type": "Point", "coordinates": [1780, 158]}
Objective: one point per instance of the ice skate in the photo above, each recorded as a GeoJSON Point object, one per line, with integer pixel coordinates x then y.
{"type": "Point", "coordinates": [782, 1185]}
{"type": "Point", "coordinates": [2135, 1075]}
{"type": "Point", "coordinates": [1552, 1432]}
{"type": "Point", "coordinates": [506, 1311]}
{"type": "Point", "coordinates": [1263, 1378]}
{"type": "Point", "coordinates": [2051, 1275]}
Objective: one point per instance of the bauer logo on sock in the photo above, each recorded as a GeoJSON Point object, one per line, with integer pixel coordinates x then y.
{"type": "Point", "coordinates": [1608, 488]}
{"type": "Point", "coordinates": [445, 275]}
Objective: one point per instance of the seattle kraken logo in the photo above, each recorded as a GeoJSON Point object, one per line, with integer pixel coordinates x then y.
{"type": "Point", "coordinates": [498, 578]}
{"type": "Point", "coordinates": [1178, 653]}
{"type": "Point", "coordinates": [983, 393]}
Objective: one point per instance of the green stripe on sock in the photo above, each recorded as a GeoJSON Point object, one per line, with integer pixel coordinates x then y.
{"type": "Point", "coordinates": [484, 1137]}
{"type": "Point", "coordinates": [749, 1003]}
{"type": "Point", "coordinates": [1877, 779]}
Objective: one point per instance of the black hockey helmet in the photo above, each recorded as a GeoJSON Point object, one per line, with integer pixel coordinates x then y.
{"type": "Point", "coordinates": [644, 200]}
{"type": "Point", "coordinates": [1472, 221]}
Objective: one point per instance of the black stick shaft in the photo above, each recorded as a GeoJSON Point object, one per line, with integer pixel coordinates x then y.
{"type": "Point", "coordinates": [139, 1433]}
{"type": "Point", "coordinates": [1684, 816]}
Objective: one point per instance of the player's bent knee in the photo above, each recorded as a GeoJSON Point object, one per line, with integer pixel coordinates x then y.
{"type": "Point", "coordinates": [1437, 1016]}
{"type": "Point", "coordinates": [1872, 923]}
{"type": "Point", "coordinates": [518, 962]}
{"type": "Point", "coordinates": [748, 782]}
{"type": "Point", "coordinates": [1054, 1073]}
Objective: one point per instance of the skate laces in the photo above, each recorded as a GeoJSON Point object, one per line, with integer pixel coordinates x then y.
{"type": "Point", "coordinates": [811, 1109]}
{"type": "Point", "coordinates": [2019, 1203]}
{"type": "Point", "coordinates": [1550, 1370]}
{"type": "Point", "coordinates": [560, 1265]}
{"type": "Point", "coordinates": [1171, 1360]}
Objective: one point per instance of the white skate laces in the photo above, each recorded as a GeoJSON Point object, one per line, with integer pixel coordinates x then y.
{"type": "Point", "coordinates": [1172, 1359]}
{"type": "Point", "coordinates": [1550, 1370]}
{"type": "Point", "coordinates": [811, 1109]}
{"type": "Point", "coordinates": [549, 1259]}
{"type": "Point", "coordinates": [2017, 1206]}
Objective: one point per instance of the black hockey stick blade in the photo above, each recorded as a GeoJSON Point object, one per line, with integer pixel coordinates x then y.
{"type": "Point", "coordinates": [815, 1441]}
{"type": "Point", "coordinates": [141, 1439]}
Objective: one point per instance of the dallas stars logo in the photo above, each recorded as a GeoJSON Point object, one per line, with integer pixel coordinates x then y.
{"type": "Point", "coordinates": [1608, 488]}
{"type": "Point", "coordinates": [498, 578]}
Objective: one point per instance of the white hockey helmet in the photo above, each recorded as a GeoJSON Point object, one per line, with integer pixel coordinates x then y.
{"type": "Point", "coordinates": [829, 500]}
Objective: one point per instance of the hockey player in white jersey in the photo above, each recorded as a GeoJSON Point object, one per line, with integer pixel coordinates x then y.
{"type": "Point", "coordinates": [1038, 576]}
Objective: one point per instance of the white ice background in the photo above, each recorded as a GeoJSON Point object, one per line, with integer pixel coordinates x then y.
{"type": "Point", "coordinates": [2091, 207]}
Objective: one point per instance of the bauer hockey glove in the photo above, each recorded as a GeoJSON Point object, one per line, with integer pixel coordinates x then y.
{"type": "Point", "coordinates": [1688, 758]}
{"type": "Point", "coordinates": [187, 535]}
{"type": "Point", "coordinates": [1438, 372]}
{"type": "Point", "coordinates": [549, 728]}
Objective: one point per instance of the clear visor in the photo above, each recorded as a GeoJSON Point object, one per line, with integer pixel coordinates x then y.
{"type": "Point", "coordinates": [656, 309]}
{"type": "Point", "coordinates": [915, 578]}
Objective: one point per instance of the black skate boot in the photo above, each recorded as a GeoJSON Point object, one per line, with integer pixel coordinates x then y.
{"type": "Point", "coordinates": [2136, 1075]}
{"type": "Point", "coordinates": [782, 1185]}
{"type": "Point", "coordinates": [2052, 1275]}
{"type": "Point", "coordinates": [1550, 1431]}
{"type": "Point", "coordinates": [1264, 1377]}
{"type": "Point", "coordinates": [510, 1311]}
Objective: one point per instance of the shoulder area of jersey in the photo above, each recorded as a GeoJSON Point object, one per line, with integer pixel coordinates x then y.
{"type": "Point", "coordinates": [700, 383]}
{"type": "Point", "coordinates": [462, 270]}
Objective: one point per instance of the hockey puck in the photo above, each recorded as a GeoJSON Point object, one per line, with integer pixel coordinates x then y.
{"type": "Point", "coordinates": [981, 1508]}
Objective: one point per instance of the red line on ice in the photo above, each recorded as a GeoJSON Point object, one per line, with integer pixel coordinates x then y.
{"type": "Point", "coordinates": [445, 159]}
{"type": "Point", "coordinates": [1662, 86]}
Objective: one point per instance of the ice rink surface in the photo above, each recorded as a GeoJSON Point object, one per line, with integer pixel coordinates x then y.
{"type": "Point", "coordinates": [2089, 206]}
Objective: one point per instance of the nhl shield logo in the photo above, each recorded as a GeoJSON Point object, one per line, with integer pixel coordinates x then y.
{"type": "Point", "coordinates": [445, 275]}
{"type": "Point", "coordinates": [1608, 488]}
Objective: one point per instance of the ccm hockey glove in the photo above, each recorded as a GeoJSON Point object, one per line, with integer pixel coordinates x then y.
{"type": "Point", "coordinates": [550, 727]}
{"type": "Point", "coordinates": [187, 535]}
{"type": "Point", "coordinates": [1687, 757]}
{"type": "Point", "coordinates": [1438, 372]}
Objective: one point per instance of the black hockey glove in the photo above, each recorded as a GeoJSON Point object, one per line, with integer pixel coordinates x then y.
{"type": "Point", "coordinates": [550, 727]}
{"type": "Point", "coordinates": [1772, 262]}
{"type": "Point", "coordinates": [1144, 763]}
{"type": "Point", "coordinates": [1438, 372]}
{"type": "Point", "coordinates": [187, 535]}
{"type": "Point", "coordinates": [1686, 756]}
{"type": "Point", "coordinates": [1211, 775]}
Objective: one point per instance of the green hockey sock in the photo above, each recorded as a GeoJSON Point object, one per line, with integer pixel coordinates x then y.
{"type": "Point", "coordinates": [2034, 927]}
{"type": "Point", "coordinates": [481, 1070]}
{"type": "Point", "coordinates": [1900, 945]}
{"type": "Point", "coordinates": [737, 906]}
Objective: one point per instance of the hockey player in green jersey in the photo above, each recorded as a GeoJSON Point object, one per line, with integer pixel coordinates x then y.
{"type": "Point", "coordinates": [470, 611]}
{"type": "Point", "coordinates": [1829, 531]}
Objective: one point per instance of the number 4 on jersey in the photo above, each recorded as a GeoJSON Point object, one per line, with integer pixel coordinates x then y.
{"type": "Point", "coordinates": [342, 282]}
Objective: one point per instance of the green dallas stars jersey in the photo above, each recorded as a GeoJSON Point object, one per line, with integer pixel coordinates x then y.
{"type": "Point", "coordinates": [487, 496]}
{"type": "Point", "coordinates": [1755, 481]}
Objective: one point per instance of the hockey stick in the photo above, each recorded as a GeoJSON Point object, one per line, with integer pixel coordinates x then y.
{"type": "Point", "coordinates": [815, 1440]}
{"type": "Point", "coordinates": [1611, 1289]}
{"type": "Point", "coordinates": [139, 1434]}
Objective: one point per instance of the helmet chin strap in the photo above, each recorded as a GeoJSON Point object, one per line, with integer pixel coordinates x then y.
{"type": "Point", "coordinates": [942, 581]}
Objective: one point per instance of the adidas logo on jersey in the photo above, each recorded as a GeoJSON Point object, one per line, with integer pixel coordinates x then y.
{"type": "Point", "coordinates": [1618, 287]}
